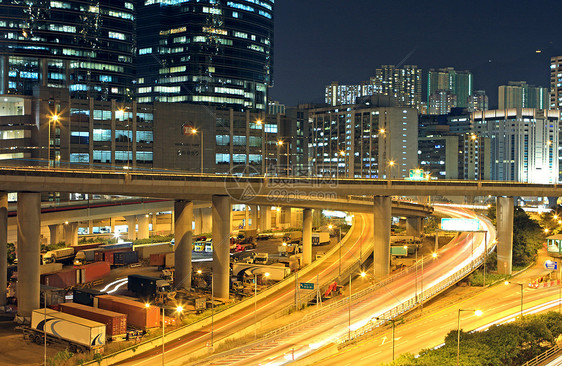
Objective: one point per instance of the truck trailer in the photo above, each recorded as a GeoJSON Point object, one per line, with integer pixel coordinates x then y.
{"type": "Point", "coordinates": [320, 238]}
{"type": "Point", "coordinates": [147, 288]}
{"type": "Point", "coordinates": [78, 334]}
{"type": "Point", "coordinates": [276, 272]}
{"type": "Point", "coordinates": [58, 255]}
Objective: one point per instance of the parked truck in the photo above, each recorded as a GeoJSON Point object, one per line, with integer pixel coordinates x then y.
{"type": "Point", "coordinates": [321, 238]}
{"type": "Point", "coordinates": [292, 237]}
{"type": "Point", "coordinates": [58, 255]}
{"type": "Point", "coordinates": [147, 288]}
{"type": "Point", "coordinates": [276, 272]}
{"type": "Point", "coordinates": [78, 334]}
{"type": "Point", "coordinates": [84, 256]}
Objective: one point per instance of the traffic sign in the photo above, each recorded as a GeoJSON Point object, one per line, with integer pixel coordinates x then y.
{"type": "Point", "coordinates": [307, 286]}
{"type": "Point", "coordinates": [551, 265]}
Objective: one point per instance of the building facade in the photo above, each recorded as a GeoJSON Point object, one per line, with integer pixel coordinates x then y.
{"type": "Point", "coordinates": [459, 83]}
{"type": "Point", "coordinates": [524, 143]}
{"type": "Point", "coordinates": [478, 101]}
{"type": "Point", "coordinates": [217, 53]}
{"type": "Point", "coordinates": [441, 102]}
{"type": "Point", "coordinates": [518, 94]}
{"type": "Point", "coordinates": [404, 84]}
{"type": "Point", "coordinates": [363, 140]}
{"type": "Point", "coordinates": [87, 47]}
{"type": "Point", "coordinates": [556, 82]}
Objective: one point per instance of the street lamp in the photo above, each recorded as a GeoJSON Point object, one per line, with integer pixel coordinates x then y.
{"type": "Point", "coordinates": [393, 321]}
{"type": "Point", "coordinates": [266, 274]}
{"type": "Point", "coordinates": [194, 132]}
{"type": "Point", "coordinates": [477, 313]}
{"type": "Point", "coordinates": [279, 144]}
{"type": "Point", "coordinates": [342, 154]}
{"type": "Point", "coordinates": [54, 118]}
{"type": "Point", "coordinates": [260, 123]}
{"type": "Point", "coordinates": [521, 287]}
{"type": "Point", "coordinates": [390, 164]}
{"type": "Point", "coordinates": [179, 310]}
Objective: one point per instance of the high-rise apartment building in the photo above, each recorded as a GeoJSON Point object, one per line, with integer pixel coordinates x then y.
{"type": "Point", "coordinates": [524, 145]}
{"type": "Point", "coordinates": [459, 83]}
{"type": "Point", "coordinates": [85, 46]}
{"type": "Point", "coordinates": [518, 94]}
{"type": "Point", "coordinates": [209, 52]}
{"type": "Point", "coordinates": [556, 82]}
{"type": "Point", "coordinates": [441, 102]}
{"type": "Point", "coordinates": [404, 84]}
{"type": "Point", "coordinates": [372, 138]}
{"type": "Point", "coordinates": [478, 101]}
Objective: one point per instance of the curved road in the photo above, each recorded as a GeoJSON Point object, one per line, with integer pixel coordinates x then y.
{"type": "Point", "coordinates": [358, 241]}
{"type": "Point", "coordinates": [324, 331]}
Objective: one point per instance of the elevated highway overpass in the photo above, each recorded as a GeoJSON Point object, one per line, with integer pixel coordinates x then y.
{"type": "Point", "coordinates": [307, 193]}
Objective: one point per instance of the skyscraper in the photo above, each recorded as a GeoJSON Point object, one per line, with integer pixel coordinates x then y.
{"type": "Point", "coordinates": [556, 82]}
{"type": "Point", "coordinates": [85, 46]}
{"type": "Point", "coordinates": [518, 94]}
{"type": "Point", "coordinates": [459, 83]}
{"type": "Point", "coordinates": [214, 52]}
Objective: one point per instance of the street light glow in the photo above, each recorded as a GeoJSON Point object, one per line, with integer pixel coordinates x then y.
{"type": "Point", "coordinates": [478, 313]}
{"type": "Point", "coordinates": [146, 305]}
{"type": "Point", "coordinates": [280, 142]}
{"type": "Point", "coordinates": [179, 308]}
{"type": "Point", "coordinates": [55, 117]}
{"type": "Point", "coordinates": [363, 273]}
{"type": "Point", "coordinates": [194, 131]}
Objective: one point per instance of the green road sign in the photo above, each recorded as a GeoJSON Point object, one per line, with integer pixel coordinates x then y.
{"type": "Point", "coordinates": [307, 286]}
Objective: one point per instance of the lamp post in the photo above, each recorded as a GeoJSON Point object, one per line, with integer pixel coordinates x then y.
{"type": "Point", "coordinates": [477, 313]}
{"type": "Point", "coordinates": [266, 274]}
{"type": "Point", "coordinates": [179, 310]}
{"type": "Point", "coordinates": [260, 123]}
{"type": "Point", "coordinates": [194, 132]}
{"type": "Point", "coordinates": [331, 227]}
{"type": "Point", "coordinates": [521, 287]}
{"type": "Point", "coordinates": [280, 143]}
{"type": "Point", "coordinates": [53, 119]}
{"type": "Point", "coordinates": [393, 321]}
{"type": "Point", "coordinates": [342, 154]}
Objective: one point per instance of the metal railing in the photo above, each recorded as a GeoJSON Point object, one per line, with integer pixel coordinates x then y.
{"type": "Point", "coordinates": [543, 356]}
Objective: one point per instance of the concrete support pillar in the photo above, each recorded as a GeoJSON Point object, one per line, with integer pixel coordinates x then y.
{"type": "Point", "coordinates": [71, 233]}
{"type": "Point", "coordinates": [307, 236]}
{"type": "Point", "coordinates": [254, 217]}
{"type": "Point", "coordinates": [414, 226]}
{"type": "Point", "coordinates": [197, 218]}
{"type": "Point", "coordinates": [247, 217]}
{"type": "Point", "coordinates": [90, 227]}
{"type": "Point", "coordinates": [206, 220]}
{"type": "Point", "coordinates": [143, 227]}
{"type": "Point", "coordinates": [277, 220]}
{"type": "Point", "coordinates": [287, 216]}
{"type": "Point", "coordinates": [294, 218]}
{"type": "Point", "coordinates": [552, 202]}
{"type": "Point", "coordinates": [112, 224]}
{"type": "Point", "coordinates": [221, 245]}
{"type": "Point", "coordinates": [265, 217]}
{"type": "Point", "coordinates": [183, 234]}
{"type": "Point", "coordinates": [504, 219]}
{"type": "Point", "coordinates": [381, 233]}
{"type": "Point", "coordinates": [28, 250]}
{"type": "Point", "coordinates": [3, 246]}
{"type": "Point", "coordinates": [131, 227]}
{"type": "Point", "coordinates": [57, 232]}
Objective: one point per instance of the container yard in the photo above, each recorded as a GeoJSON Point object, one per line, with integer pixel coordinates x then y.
{"type": "Point", "coordinates": [138, 315]}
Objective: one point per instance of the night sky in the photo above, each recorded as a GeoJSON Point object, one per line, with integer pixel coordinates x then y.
{"type": "Point", "coordinates": [317, 42]}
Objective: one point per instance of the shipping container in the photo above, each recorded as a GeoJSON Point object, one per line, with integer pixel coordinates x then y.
{"type": "Point", "coordinates": [85, 296]}
{"type": "Point", "coordinates": [138, 315]}
{"type": "Point", "coordinates": [170, 261]}
{"type": "Point", "coordinates": [77, 332]}
{"type": "Point", "coordinates": [157, 259]}
{"type": "Point", "coordinates": [125, 258]}
{"type": "Point", "coordinates": [52, 295]}
{"type": "Point", "coordinates": [145, 287]}
{"type": "Point", "coordinates": [64, 279]}
{"type": "Point", "coordinates": [145, 250]}
{"type": "Point", "coordinates": [116, 323]}
{"type": "Point", "coordinates": [50, 268]}
{"type": "Point", "coordinates": [92, 272]}
{"type": "Point", "coordinates": [117, 246]}
{"type": "Point", "coordinates": [80, 247]}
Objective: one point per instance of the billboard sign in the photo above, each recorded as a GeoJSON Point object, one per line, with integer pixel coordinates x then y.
{"type": "Point", "coordinates": [456, 224]}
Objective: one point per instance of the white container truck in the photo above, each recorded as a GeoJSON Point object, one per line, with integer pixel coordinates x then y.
{"type": "Point", "coordinates": [320, 238]}
{"type": "Point", "coordinates": [79, 334]}
{"type": "Point", "coordinates": [276, 272]}
{"type": "Point", "coordinates": [58, 255]}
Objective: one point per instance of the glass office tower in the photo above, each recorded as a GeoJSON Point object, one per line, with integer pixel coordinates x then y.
{"type": "Point", "coordinates": [87, 46]}
{"type": "Point", "coordinates": [213, 52]}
